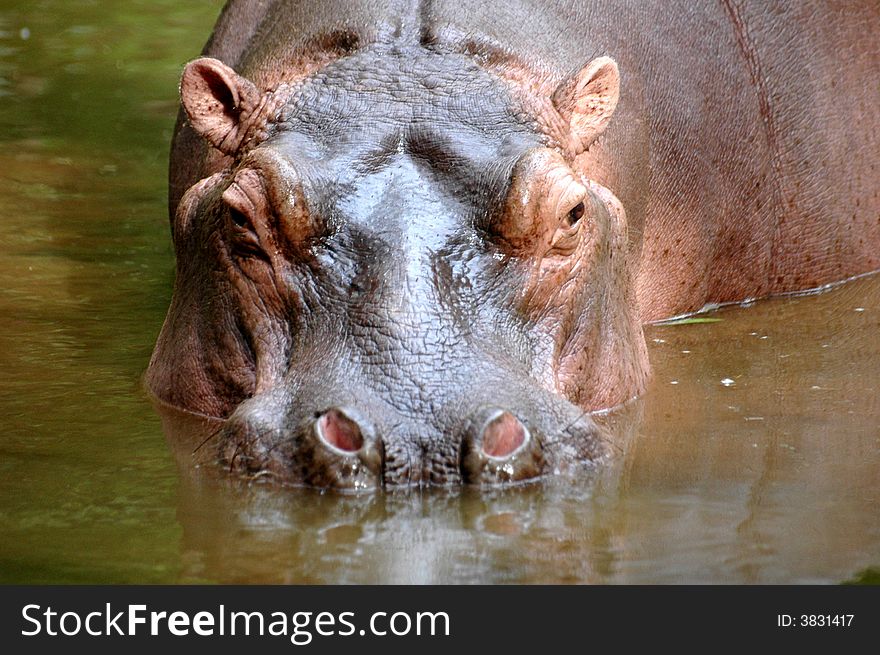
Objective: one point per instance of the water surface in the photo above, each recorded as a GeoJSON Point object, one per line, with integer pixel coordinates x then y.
{"type": "Point", "coordinates": [754, 457]}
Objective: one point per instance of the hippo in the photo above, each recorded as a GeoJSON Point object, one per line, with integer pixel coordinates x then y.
{"type": "Point", "coordinates": [417, 241]}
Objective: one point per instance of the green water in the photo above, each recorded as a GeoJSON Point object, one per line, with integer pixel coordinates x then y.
{"type": "Point", "coordinates": [755, 456]}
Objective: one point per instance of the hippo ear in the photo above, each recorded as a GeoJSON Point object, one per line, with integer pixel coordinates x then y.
{"type": "Point", "coordinates": [216, 99]}
{"type": "Point", "coordinates": [588, 99]}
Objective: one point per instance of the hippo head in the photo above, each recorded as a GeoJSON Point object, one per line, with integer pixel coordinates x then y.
{"type": "Point", "coordinates": [395, 272]}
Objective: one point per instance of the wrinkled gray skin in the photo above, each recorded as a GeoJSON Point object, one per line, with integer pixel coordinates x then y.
{"type": "Point", "coordinates": [393, 307]}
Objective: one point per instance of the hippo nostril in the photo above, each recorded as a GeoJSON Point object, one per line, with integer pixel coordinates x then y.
{"type": "Point", "coordinates": [503, 435]}
{"type": "Point", "coordinates": [341, 449]}
{"type": "Point", "coordinates": [339, 431]}
{"type": "Point", "coordinates": [497, 447]}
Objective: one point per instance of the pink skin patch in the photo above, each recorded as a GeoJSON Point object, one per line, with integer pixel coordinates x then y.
{"type": "Point", "coordinates": [503, 436]}
{"type": "Point", "coordinates": [340, 432]}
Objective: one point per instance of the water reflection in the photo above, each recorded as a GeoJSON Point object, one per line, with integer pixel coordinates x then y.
{"type": "Point", "coordinates": [240, 532]}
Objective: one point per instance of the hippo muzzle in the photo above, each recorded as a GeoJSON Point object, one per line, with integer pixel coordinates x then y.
{"type": "Point", "coordinates": [344, 448]}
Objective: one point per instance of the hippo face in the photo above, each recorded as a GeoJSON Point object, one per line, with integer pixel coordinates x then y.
{"type": "Point", "coordinates": [398, 274]}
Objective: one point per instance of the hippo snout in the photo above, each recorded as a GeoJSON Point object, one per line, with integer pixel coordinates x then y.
{"type": "Point", "coordinates": [342, 447]}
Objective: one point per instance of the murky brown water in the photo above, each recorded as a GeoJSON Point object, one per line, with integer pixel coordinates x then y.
{"type": "Point", "coordinates": [755, 456]}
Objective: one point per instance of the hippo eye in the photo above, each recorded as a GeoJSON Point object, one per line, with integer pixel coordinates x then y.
{"type": "Point", "coordinates": [238, 218]}
{"type": "Point", "coordinates": [242, 230]}
{"type": "Point", "coordinates": [572, 197]}
{"type": "Point", "coordinates": [241, 214]}
{"type": "Point", "coordinates": [575, 213]}
{"type": "Point", "coordinates": [240, 206]}
{"type": "Point", "coordinates": [566, 238]}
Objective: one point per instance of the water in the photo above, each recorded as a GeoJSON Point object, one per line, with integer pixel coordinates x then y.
{"type": "Point", "coordinates": [754, 457]}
